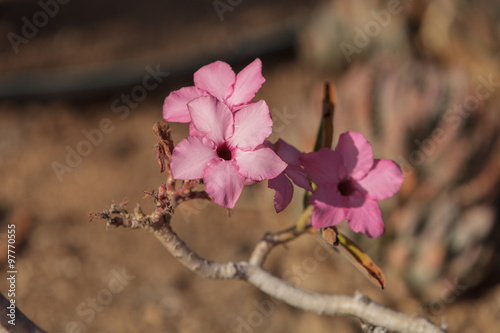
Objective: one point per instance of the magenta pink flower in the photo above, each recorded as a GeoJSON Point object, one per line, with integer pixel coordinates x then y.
{"type": "Point", "coordinates": [349, 184]}
{"type": "Point", "coordinates": [282, 185]}
{"type": "Point", "coordinates": [219, 80]}
{"type": "Point", "coordinates": [227, 150]}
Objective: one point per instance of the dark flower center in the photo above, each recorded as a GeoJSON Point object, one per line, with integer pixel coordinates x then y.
{"type": "Point", "coordinates": [224, 152]}
{"type": "Point", "coordinates": [346, 187]}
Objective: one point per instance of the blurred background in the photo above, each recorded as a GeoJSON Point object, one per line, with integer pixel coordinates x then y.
{"type": "Point", "coordinates": [83, 82]}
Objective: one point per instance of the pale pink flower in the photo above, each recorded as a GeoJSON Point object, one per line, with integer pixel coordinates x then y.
{"type": "Point", "coordinates": [227, 151]}
{"type": "Point", "coordinates": [282, 185]}
{"type": "Point", "coordinates": [218, 80]}
{"type": "Point", "coordinates": [349, 184]}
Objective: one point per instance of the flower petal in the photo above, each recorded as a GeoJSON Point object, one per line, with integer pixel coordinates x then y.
{"type": "Point", "coordinates": [324, 214]}
{"type": "Point", "coordinates": [259, 164]}
{"type": "Point", "coordinates": [357, 154]}
{"type": "Point", "coordinates": [294, 170]}
{"type": "Point", "coordinates": [383, 180]}
{"type": "Point", "coordinates": [191, 156]}
{"type": "Point", "coordinates": [283, 191]}
{"type": "Point", "coordinates": [211, 118]}
{"type": "Point", "coordinates": [328, 209]}
{"type": "Point", "coordinates": [175, 105]}
{"type": "Point", "coordinates": [299, 177]}
{"type": "Point", "coordinates": [248, 82]}
{"type": "Point", "coordinates": [323, 166]}
{"type": "Point", "coordinates": [252, 125]}
{"type": "Point", "coordinates": [288, 153]}
{"type": "Point", "coordinates": [268, 144]}
{"type": "Point", "coordinates": [193, 131]}
{"type": "Point", "coordinates": [216, 78]}
{"type": "Point", "coordinates": [223, 183]}
{"type": "Point", "coordinates": [366, 219]}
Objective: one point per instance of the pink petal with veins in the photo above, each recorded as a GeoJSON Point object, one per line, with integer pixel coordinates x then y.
{"type": "Point", "coordinates": [191, 156]}
{"type": "Point", "coordinates": [259, 164]}
{"type": "Point", "coordinates": [211, 118]}
{"type": "Point", "coordinates": [283, 191]}
{"type": "Point", "coordinates": [223, 183]}
{"type": "Point", "coordinates": [252, 125]}
{"type": "Point", "coordinates": [323, 166]}
{"type": "Point", "coordinates": [357, 154]}
{"type": "Point", "coordinates": [367, 219]}
{"type": "Point", "coordinates": [383, 180]}
{"type": "Point", "coordinates": [175, 105]}
{"type": "Point", "coordinates": [217, 79]}
{"type": "Point", "coordinates": [248, 82]}
{"type": "Point", "coordinates": [328, 210]}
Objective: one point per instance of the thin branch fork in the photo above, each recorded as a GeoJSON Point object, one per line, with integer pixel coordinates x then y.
{"type": "Point", "coordinates": [358, 306]}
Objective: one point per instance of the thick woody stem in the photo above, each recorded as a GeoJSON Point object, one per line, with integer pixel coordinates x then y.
{"type": "Point", "coordinates": [358, 306]}
{"type": "Point", "coordinates": [332, 305]}
{"type": "Point", "coordinates": [195, 263]}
